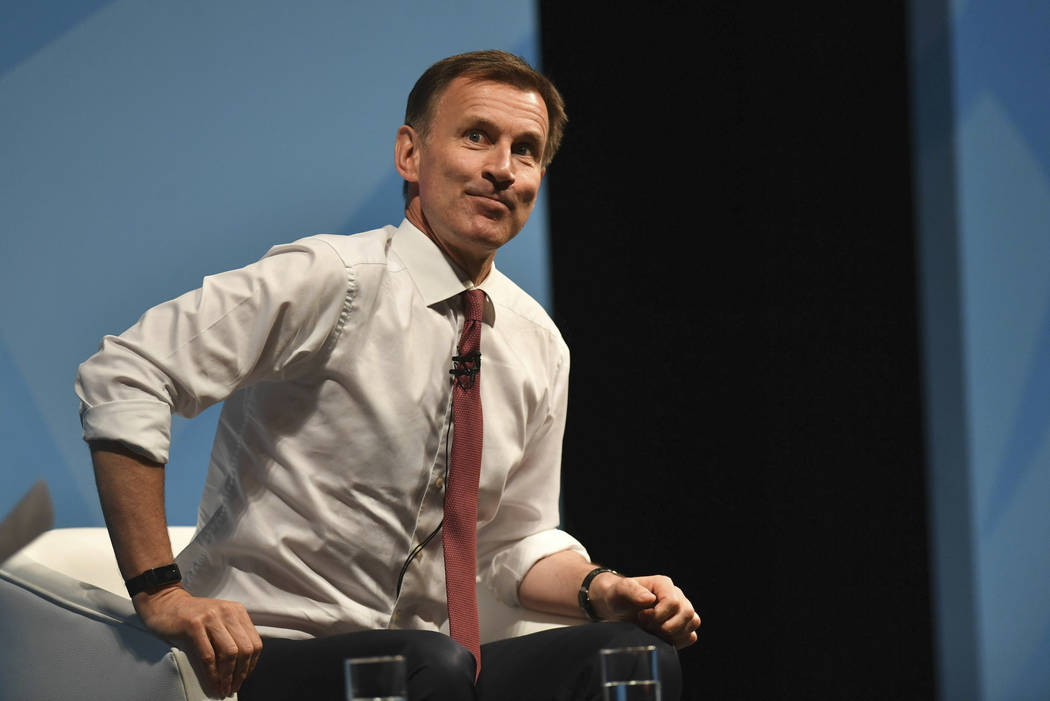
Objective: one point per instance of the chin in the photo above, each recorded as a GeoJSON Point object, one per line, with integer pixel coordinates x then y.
{"type": "Point", "coordinates": [491, 234]}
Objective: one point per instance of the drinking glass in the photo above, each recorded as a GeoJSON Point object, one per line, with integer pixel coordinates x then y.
{"type": "Point", "coordinates": [376, 678]}
{"type": "Point", "coordinates": [630, 674]}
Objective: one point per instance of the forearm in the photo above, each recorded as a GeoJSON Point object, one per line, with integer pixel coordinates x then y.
{"type": "Point", "coordinates": [653, 602]}
{"type": "Point", "coordinates": [131, 490]}
{"type": "Point", "coordinates": [218, 636]}
{"type": "Point", "coordinates": [552, 584]}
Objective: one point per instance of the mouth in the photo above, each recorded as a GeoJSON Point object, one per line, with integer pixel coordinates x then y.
{"type": "Point", "coordinates": [492, 201]}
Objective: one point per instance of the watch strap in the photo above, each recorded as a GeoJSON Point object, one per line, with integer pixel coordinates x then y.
{"type": "Point", "coordinates": [584, 597]}
{"type": "Point", "coordinates": [152, 580]}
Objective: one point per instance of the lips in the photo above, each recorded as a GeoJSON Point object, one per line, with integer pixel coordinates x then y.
{"type": "Point", "coordinates": [494, 199]}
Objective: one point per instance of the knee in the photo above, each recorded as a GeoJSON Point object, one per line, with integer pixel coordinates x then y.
{"type": "Point", "coordinates": [443, 669]}
{"type": "Point", "coordinates": [445, 653]}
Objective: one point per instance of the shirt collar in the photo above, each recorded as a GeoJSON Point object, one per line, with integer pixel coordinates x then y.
{"type": "Point", "coordinates": [435, 275]}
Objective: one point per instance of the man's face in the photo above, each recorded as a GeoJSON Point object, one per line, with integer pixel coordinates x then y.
{"type": "Point", "coordinates": [479, 166]}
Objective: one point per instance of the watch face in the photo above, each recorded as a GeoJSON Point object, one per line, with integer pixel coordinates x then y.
{"type": "Point", "coordinates": [151, 580]}
{"type": "Point", "coordinates": [168, 574]}
{"type": "Point", "coordinates": [161, 576]}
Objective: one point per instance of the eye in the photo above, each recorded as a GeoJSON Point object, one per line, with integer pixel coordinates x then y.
{"type": "Point", "coordinates": [475, 135]}
{"type": "Point", "coordinates": [524, 150]}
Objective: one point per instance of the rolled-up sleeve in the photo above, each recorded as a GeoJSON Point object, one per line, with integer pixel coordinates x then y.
{"type": "Point", "coordinates": [264, 321]}
{"type": "Point", "coordinates": [525, 529]}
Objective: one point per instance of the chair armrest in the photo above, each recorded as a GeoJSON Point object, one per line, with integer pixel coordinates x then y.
{"type": "Point", "coordinates": [66, 638]}
{"type": "Point", "coordinates": [70, 630]}
{"type": "Point", "coordinates": [68, 582]}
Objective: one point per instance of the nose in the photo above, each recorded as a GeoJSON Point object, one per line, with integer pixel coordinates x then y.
{"type": "Point", "coordinates": [499, 168]}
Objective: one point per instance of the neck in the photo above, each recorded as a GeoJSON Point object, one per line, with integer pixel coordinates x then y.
{"type": "Point", "coordinates": [477, 269]}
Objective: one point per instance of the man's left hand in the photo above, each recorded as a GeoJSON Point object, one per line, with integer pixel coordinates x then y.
{"type": "Point", "coordinates": [653, 602]}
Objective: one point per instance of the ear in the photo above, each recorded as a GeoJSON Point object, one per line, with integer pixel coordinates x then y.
{"type": "Point", "coordinates": [406, 153]}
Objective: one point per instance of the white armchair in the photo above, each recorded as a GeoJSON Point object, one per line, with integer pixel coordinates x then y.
{"type": "Point", "coordinates": [68, 629]}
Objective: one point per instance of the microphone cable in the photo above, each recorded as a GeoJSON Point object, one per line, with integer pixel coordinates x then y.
{"type": "Point", "coordinates": [419, 548]}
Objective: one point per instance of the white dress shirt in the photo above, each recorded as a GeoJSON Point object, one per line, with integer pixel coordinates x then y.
{"type": "Point", "coordinates": [332, 355]}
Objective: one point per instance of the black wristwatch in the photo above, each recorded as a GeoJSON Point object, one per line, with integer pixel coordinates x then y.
{"type": "Point", "coordinates": [584, 597]}
{"type": "Point", "coordinates": [152, 580]}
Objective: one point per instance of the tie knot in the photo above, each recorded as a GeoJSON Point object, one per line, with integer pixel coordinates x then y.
{"type": "Point", "coordinates": [473, 304]}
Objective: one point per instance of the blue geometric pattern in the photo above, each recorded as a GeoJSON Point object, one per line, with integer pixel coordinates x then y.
{"type": "Point", "coordinates": [28, 27]}
{"type": "Point", "coordinates": [1001, 76]}
{"type": "Point", "coordinates": [1003, 50]}
{"type": "Point", "coordinates": [1028, 432]}
{"type": "Point", "coordinates": [30, 453]}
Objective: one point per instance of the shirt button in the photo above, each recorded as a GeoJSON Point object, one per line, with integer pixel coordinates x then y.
{"type": "Point", "coordinates": [439, 482]}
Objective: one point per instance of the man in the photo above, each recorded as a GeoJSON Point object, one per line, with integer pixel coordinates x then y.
{"type": "Point", "coordinates": [326, 492]}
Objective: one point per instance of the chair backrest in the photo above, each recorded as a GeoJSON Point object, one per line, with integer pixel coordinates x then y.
{"type": "Point", "coordinates": [86, 554]}
{"type": "Point", "coordinates": [32, 515]}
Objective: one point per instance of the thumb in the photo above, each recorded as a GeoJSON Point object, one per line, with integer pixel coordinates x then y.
{"type": "Point", "coordinates": [637, 594]}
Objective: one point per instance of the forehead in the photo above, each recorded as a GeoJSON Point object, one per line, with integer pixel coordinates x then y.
{"type": "Point", "coordinates": [508, 106]}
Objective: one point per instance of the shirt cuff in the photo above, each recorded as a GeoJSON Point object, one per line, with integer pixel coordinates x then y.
{"type": "Point", "coordinates": [510, 566]}
{"type": "Point", "coordinates": [142, 425]}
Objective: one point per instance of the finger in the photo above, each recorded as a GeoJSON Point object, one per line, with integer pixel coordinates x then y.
{"type": "Point", "coordinates": [203, 654]}
{"type": "Point", "coordinates": [254, 646]}
{"type": "Point", "coordinates": [622, 599]}
{"type": "Point", "coordinates": [679, 637]}
{"type": "Point", "coordinates": [243, 656]}
{"type": "Point", "coordinates": [225, 656]}
{"type": "Point", "coordinates": [678, 631]}
{"type": "Point", "coordinates": [257, 646]}
{"type": "Point", "coordinates": [679, 624]}
{"type": "Point", "coordinates": [671, 604]}
{"type": "Point", "coordinates": [637, 594]}
{"type": "Point", "coordinates": [686, 641]}
{"type": "Point", "coordinates": [691, 633]}
{"type": "Point", "coordinates": [658, 584]}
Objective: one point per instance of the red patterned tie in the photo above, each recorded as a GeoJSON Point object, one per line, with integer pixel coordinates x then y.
{"type": "Point", "coordinates": [461, 495]}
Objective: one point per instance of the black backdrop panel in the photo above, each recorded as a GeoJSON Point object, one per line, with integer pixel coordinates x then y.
{"type": "Point", "coordinates": [733, 256]}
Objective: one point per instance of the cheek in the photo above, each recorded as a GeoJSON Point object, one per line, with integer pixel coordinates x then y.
{"type": "Point", "coordinates": [529, 191]}
{"type": "Point", "coordinates": [458, 168]}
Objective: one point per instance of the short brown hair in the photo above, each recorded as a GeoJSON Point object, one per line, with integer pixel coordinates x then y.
{"type": "Point", "coordinates": [494, 65]}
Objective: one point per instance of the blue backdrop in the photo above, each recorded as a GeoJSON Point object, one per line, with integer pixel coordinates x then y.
{"type": "Point", "coordinates": [983, 107]}
{"type": "Point", "coordinates": [146, 145]}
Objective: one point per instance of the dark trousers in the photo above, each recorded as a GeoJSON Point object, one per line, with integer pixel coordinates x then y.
{"type": "Point", "coordinates": [553, 665]}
